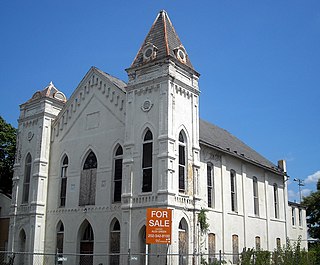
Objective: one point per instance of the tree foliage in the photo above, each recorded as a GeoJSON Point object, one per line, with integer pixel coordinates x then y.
{"type": "Point", "coordinates": [312, 202]}
{"type": "Point", "coordinates": [8, 136]}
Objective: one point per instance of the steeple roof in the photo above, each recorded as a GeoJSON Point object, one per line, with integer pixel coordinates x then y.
{"type": "Point", "coordinates": [165, 41]}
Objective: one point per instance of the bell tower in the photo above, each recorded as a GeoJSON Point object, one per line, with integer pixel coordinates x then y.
{"type": "Point", "coordinates": [163, 97]}
{"type": "Point", "coordinates": [28, 208]}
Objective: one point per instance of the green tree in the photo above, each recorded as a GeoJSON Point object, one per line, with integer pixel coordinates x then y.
{"type": "Point", "coordinates": [8, 136]}
{"type": "Point", "coordinates": [312, 202]}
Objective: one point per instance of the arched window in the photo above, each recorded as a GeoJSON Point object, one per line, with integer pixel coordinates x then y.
{"type": "Point", "coordinates": [63, 188]}
{"type": "Point", "coordinates": [87, 193]}
{"type": "Point", "coordinates": [22, 258]}
{"type": "Point", "coordinates": [233, 185]}
{"type": "Point", "coordinates": [26, 181]}
{"type": "Point", "coordinates": [276, 200]}
{"type": "Point", "coordinates": [210, 185]}
{"type": "Point", "coordinates": [182, 163]}
{"type": "Point", "coordinates": [86, 244]}
{"type": "Point", "coordinates": [183, 242]}
{"type": "Point", "coordinates": [147, 162]}
{"type": "Point", "coordinates": [211, 247]}
{"type": "Point", "coordinates": [255, 196]}
{"type": "Point", "coordinates": [115, 242]}
{"type": "Point", "coordinates": [235, 249]}
{"type": "Point", "coordinates": [60, 237]}
{"type": "Point", "coordinates": [117, 176]}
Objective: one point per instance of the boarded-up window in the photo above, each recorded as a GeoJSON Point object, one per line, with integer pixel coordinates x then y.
{"type": "Point", "coordinates": [182, 163]}
{"type": "Point", "coordinates": [115, 243]}
{"type": "Point", "coordinates": [212, 247]}
{"type": "Point", "coordinates": [26, 182]}
{"type": "Point", "coordinates": [88, 181]}
{"type": "Point", "coordinates": [147, 162]}
{"type": "Point", "coordinates": [117, 185]}
{"type": "Point", "coordinates": [210, 186]}
{"type": "Point", "coordinates": [255, 196]}
{"type": "Point", "coordinates": [235, 249]}
{"type": "Point", "coordinates": [183, 242]}
{"type": "Point", "coordinates": [258, 243]}
{"type": "Point", "coordinates": [63, 188]}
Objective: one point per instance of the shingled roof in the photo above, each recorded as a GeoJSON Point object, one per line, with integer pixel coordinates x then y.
{"type": "Point", "coordinates": [163, 36]}
{"type": "Point", "coordinates": [216, 137]}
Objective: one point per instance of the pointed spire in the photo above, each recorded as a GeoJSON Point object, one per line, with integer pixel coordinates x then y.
{"type": "Point", "coordinates": [161, 41]}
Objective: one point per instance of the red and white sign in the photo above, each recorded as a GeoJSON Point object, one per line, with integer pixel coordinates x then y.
{"type": "Point", "coordinates": [158, 227]}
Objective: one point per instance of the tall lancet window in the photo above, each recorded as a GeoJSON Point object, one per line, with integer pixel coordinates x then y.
{"type": "Point", "coordinates": [60, 237]}
{"type": "Point", "coordinates": [210, 185]}
{"type": "Point", "coordinates": [147, 162]}
{"type": "Point", "coordinates": [182, 163]}
{"type": "Point", "coordinates": [255, 196]}
{"type": "Point", "coordinates": [26, 181]}
{"type": "Point", "coordinates": [63, 188]}
{"type": "Point", "coordinates": [233, 185]}
{"type": "Point", "coordinates": [88, 181]}
{"type": "Point", "coordinates": [115, 243]}
{"type": "Point", "coordinates": [117, 176]}
{"type": "Point", "coordinates": [276, 200]}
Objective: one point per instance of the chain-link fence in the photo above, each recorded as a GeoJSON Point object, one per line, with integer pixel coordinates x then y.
{"type": "Point", "coordinates": [23, 258]}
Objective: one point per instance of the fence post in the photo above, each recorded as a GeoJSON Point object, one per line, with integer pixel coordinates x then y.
{"type": "Point", "coordinates": [220, 256]}
{"type": "Point", "coordinates": [129, 256]}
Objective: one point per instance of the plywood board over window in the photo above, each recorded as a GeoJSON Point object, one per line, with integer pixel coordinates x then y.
{"type": "Point", "coordinates": [88, 181]}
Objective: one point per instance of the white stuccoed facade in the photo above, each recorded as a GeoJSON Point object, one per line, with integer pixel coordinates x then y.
{"type": "Point", "coordinates": [103, 114]}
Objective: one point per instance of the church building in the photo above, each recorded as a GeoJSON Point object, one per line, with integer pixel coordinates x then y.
{"type": "Point", "coordinates": [88, 167]}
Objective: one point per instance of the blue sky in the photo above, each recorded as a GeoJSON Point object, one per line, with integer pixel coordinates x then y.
{"type": "Point", "coordinates": [259, 63]}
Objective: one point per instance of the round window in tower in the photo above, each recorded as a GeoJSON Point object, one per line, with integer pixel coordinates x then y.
{"type": "Point", "coordinates": [181, 55]}
{"type": "Point", "coordinates": [148, 53]}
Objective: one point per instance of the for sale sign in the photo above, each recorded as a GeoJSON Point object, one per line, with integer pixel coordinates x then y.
{"type": "Point", "coordinates": [158, 228]}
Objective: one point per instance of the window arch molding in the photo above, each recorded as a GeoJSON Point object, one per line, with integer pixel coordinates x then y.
{"type": "Point", "coordinates": [84, 157]}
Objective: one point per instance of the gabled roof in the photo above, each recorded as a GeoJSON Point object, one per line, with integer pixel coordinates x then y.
{"type": "Point", "coordinates": [117, 82]}
{"type": "Point", "coordinates": [216, 137]}
{"type": "Point", "coordinates": [163, 36]}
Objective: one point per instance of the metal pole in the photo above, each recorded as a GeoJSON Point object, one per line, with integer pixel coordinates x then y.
{"type": "Point", "coordinates": [300, 184]}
